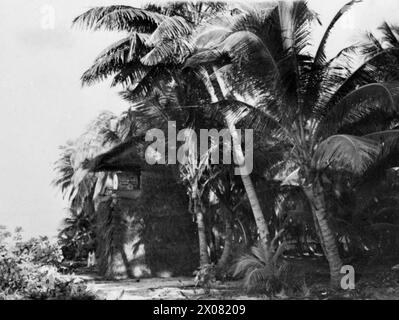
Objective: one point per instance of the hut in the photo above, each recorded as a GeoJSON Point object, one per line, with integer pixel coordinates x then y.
{"type": "Point", "coordinates": [143, 224]}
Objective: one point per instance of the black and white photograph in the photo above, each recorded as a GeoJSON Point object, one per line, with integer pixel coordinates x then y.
{"type": "Point", "coordinates": [207, 151]}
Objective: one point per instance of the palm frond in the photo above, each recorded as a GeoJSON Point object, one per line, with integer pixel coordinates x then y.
{"type": "Point", "coordinates": [142, 83]}
{"type": "Point", "coordinates": [386, 159]}
{"type": "Point", "coordinates": [346, 153]}
{"type": "Point", "coordinates": [344, 81]}
{"type": "Point", "coordinates": [388, 141]}
{"type": "Point", "coordinates": [210, 35]}
{"type": "Point", "coordinates": [168, 51]}
{"type": "Point", "coordinates": [372, 45]}
{"type": "Point", "coordinates": [119, 18]}
{"type": "Point", "coordinates": [170, 28]}
{"type": "Point", "coordinates": [64, 169]}
{"type": "Point", "coordinates": [206, 57]}
{"type": "Point", "coordinates": [115, 58]}
{"type": "Point", "coordinates": [245, 49]}
{"type": "Point", "coordinates": [131, 74]}
{"type": "Point", "coordinates": [125, 156]}
{"type": "Point", "coordinates": [389, 34]}
{"type": "Point", "coordinates": [360, 103]}
{"type": "Point", "coordinates": [321, 70]}
{"type": "Point", "coordinates": [320, 56]}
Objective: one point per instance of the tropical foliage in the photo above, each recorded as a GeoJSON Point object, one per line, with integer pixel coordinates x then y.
{"type": "Point", "coordinates": [324, 127]}
{"type": "Point", "coordinates": [32, 270]}
{"type": "Point", "coordinates": [265, 272]}
{"type": "Point", "coordinates": [315, 105]}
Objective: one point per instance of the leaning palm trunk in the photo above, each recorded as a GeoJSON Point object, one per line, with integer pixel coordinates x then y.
{"type": "Point", "coordinates": [240, 160]}
{"type": "Point", "coordinates": [203, 246]}
{"type": "Point", "coordinates": [249, 188]}
{"type": "Point", "coordinates": [315, 195]}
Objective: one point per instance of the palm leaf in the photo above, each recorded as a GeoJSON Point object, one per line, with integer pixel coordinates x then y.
{"type": "Point", "coordinates": [320, 56]}
{"type": "Point", "coordinates": [389, 34]}
{"type": "Point", "coordinates": [206, 57]}
{"type": "Point", "coordinates": [366, 73]}
{"type": "Point", "coordinates": [360, 103]}
{"type": "Point", "coordinates": [168, 51]}
{"type": "Point", "coordinates": [119, 18]}
{"type": "Point", "coordinates": [143, 82]}
{"type": "Point", "coordinates": [346, 153]}
{"type": "Point", "coordinates": [389, 144]}
{"type": "Point", "coordinates": [115, 58]}
{"type": "Point", "coordinates": [131, 73]}
{"type": "Point", "coordinates": [170, 28]}
{"type": "Point", "coordinates": [211, 35]}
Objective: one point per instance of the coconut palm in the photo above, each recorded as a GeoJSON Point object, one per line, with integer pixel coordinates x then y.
{"type": "Point", "coordinates": [154, 31]}
{"type": "Point", "coordinates": [308, 101]}
{"type": "Point", "coordinates": [126, 61]}
{"type": "Point", "coordinates": [77, 186]}
{"type": "Point", "coordinates": [167, 46]}
{"type": "Point", "coordinates": [164, 51]}
{"type": "Point", "coordinates": [315, 104]}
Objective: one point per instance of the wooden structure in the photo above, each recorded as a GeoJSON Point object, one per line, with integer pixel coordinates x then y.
{"type": "Point", "coordinates": [145, 228]}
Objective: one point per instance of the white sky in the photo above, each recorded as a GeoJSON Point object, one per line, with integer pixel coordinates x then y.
{"type": "Point", "coordinates": [43, 104]}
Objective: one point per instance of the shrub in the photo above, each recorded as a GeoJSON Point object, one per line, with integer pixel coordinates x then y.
{"type": "Point", "coordinates": [265, 272]}
{"type": "Point", "coordinates": [205, 276]}
{"type": "Point", "coordinates": [48, 283]}
{"type": "Point", "coordinates": [41, 251]}
{"type": "Point", "coordinates": [29, 270]}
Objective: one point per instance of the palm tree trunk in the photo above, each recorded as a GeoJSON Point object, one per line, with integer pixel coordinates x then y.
{"type": "Point", "coordinates": [203, 246]}
{"type": "Point", "coordinates": [240, 161]}
{"type": "Point", "coordinates": [315, 195]}
{"type": "Point", "coordinates": [228, 242]}
{"type": "Point", "coordinates": [249, 187]}
{"type": "Point", "coordinates": [126, 262]}
{"type": "Point", "coordinates": [256, 209]}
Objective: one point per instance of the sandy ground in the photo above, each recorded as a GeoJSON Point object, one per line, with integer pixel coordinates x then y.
{"type": "Point", "coordinates": [162, 289]}
{"type": "Point", "coordinates": [379, 281]}
{"type": "Point", "coordinates": [183, 288]}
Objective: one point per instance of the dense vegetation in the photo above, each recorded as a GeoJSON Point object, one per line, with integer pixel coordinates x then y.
{"type": "Point", "coordinates": [325, 133]}
{"type": "Point", "coordinates": [33, 269]}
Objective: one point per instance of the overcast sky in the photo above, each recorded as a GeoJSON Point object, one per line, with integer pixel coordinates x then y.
{"type": "Point", "coordinates": [43, 104]}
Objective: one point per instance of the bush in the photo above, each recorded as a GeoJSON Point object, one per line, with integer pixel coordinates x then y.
{"type": "Point", "coordinates": [41, 251]}
{"type": "Point", "coordinates": [205, 276]}
{"type": "Point", "coordinates": [29, 270]}
{"type": "Point", "coordinates": [265, 272]}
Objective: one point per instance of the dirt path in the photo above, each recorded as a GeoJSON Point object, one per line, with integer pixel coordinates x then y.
{"type": "Point", "coordinates": [379, 281]}
{"type": "Point", "coordinates": [161, 289]}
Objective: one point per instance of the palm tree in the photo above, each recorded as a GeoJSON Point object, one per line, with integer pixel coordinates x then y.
{"type": "Point", "coordinates": [177, 49]}
{"type": "Point", "coordinates": [76, 185]}
{"type": "Point", "coordinates": [128, 60]}
{"type": "Point", "coordinates": [193, 172]}
{"type": "Point", "coordinates": [152, 32]}
{"type": "Point", "coordinates": [301, 99]}
{"type": "Point", "coordinates": [80, 187]}
{"type": "Point", "coordinates": [314, 104]}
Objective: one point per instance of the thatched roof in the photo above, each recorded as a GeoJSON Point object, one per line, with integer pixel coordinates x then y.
{"type": "Point", "coordinates": [127, 156]}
